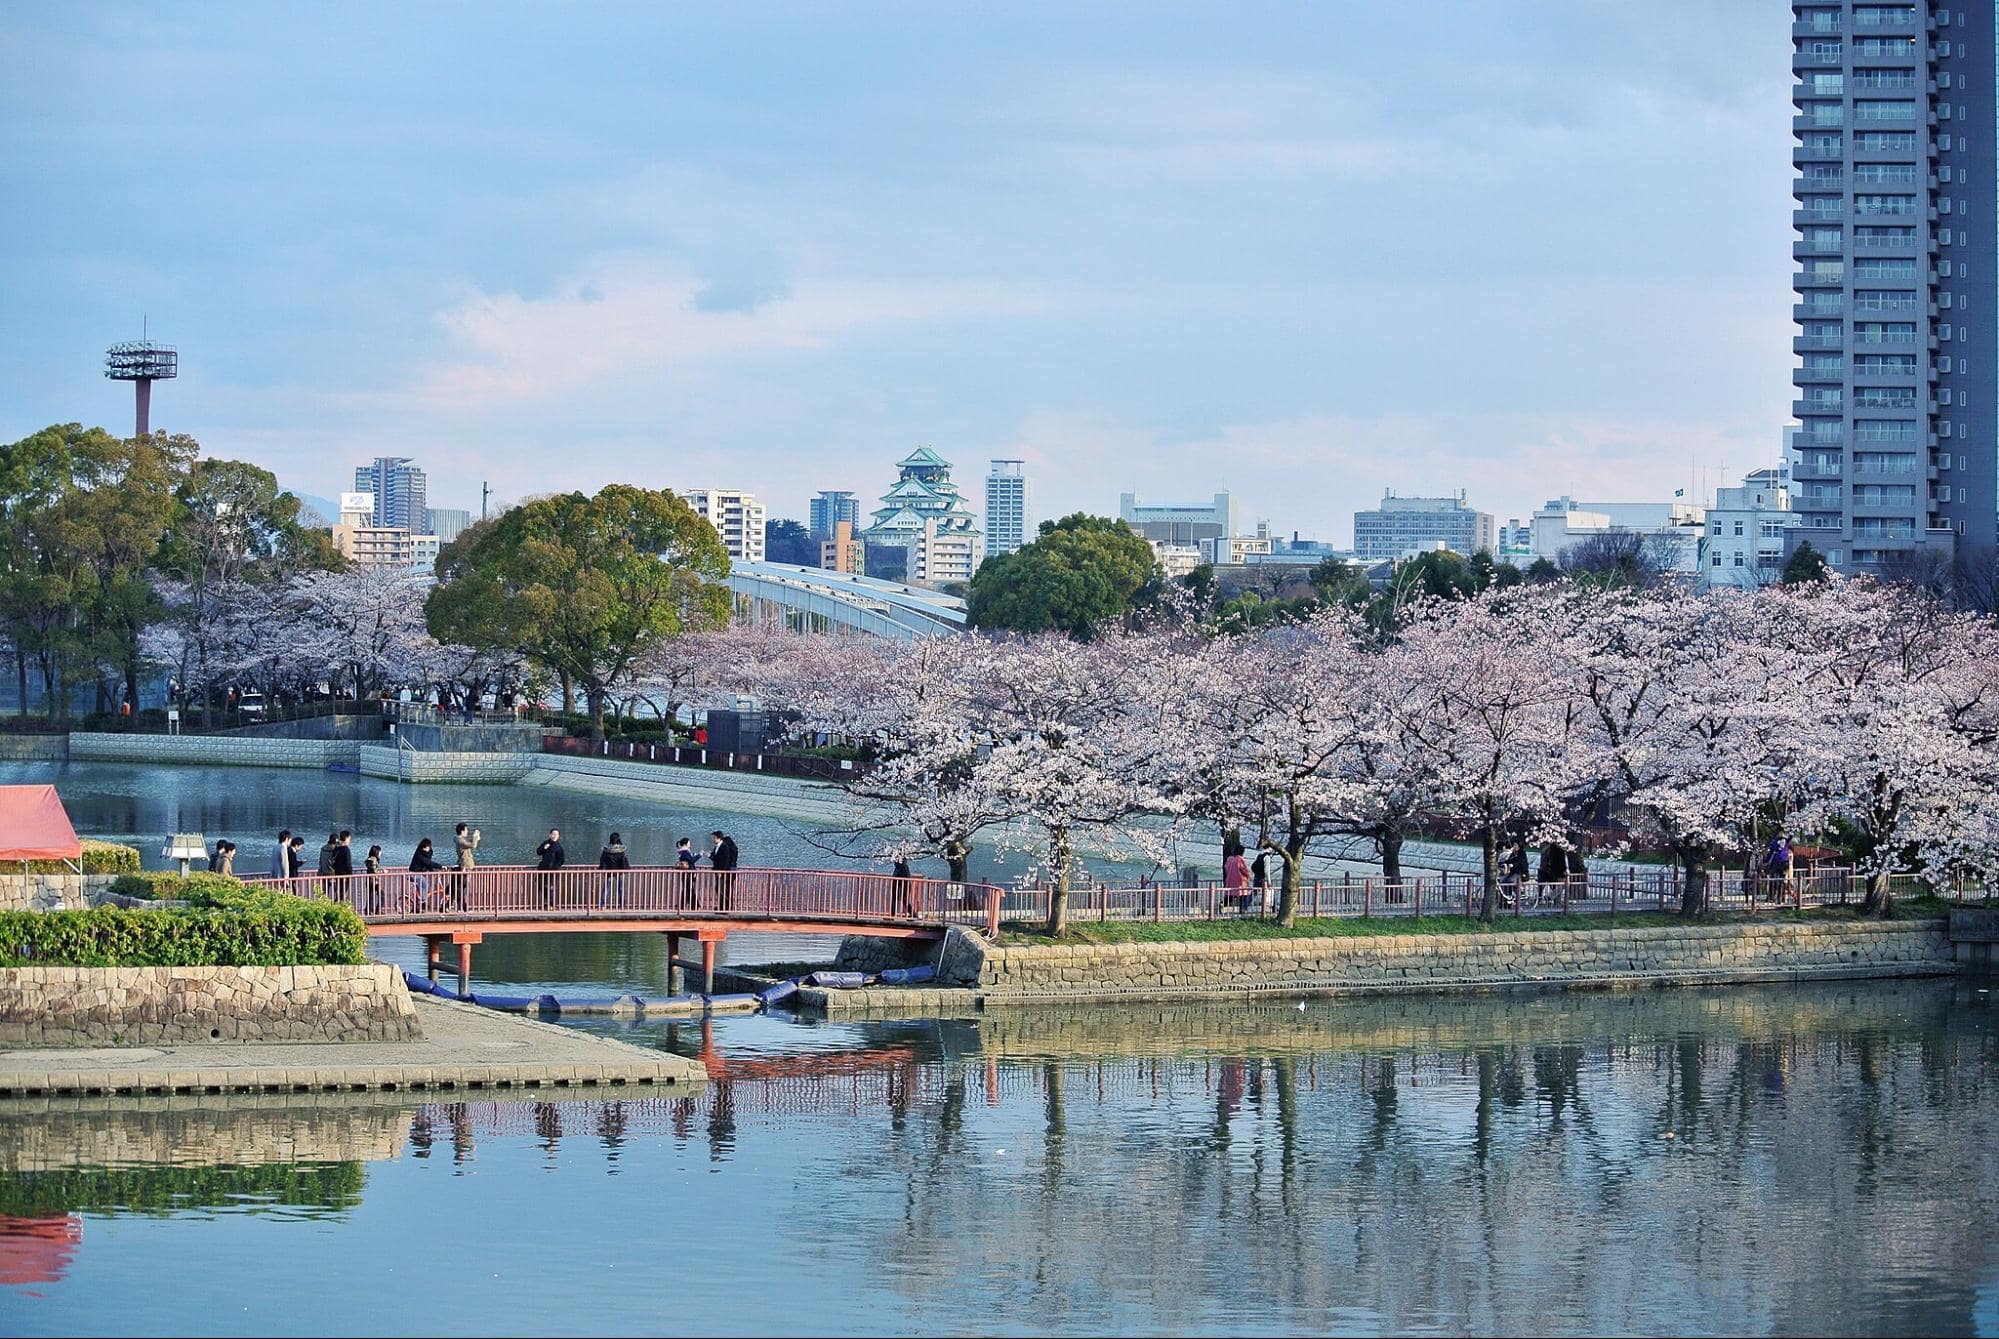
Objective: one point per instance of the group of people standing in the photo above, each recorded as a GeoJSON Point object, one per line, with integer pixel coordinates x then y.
{"type": "Point", "coordinates": [434, 886]}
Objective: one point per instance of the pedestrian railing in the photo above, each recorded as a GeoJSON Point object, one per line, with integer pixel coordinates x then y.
{"type": "Point", "coordinates": [501, 893]}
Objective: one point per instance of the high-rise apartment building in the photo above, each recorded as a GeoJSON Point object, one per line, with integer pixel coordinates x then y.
{"type": "Point", "coordinates": [1897, 284]}
{"type": "Point", "coordinates": [737, 517]}
{"type": "Point", "coordinates": [399, 491]}
{"type": "Point", "coordinates": [831, 507]}
{"type": "Point", "coordinates": [1008, 499]}
{"type": "Point", "coordinates": [1402, 524]}
{"type": "Point", "coordinates": [447, 523]}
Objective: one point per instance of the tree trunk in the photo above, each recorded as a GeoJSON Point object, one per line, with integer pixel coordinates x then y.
{"type": "Point", "coordinates": [132, 686]}
{"type": "Point", "coordinates": [1880, 895]}
{"type": "Point", "coordinates": [1388, 840]}
{"type": "Point", "coordinates": [1058, 884]}
{"type": "Point", "coordinates": [21, 679]}
{"type": "Point", "coordinates": [1488, 846]}
{"type": "Point", "coordinates": [595, 697]}
{"type": "Point", "coordinates": [1693, 878]}
{"type": "Point", "coordinates": [1231, 838]}
{"type": "Point", "coordinates": [1294, 882]}
{"type": "Point", "coordinates": [568, 694]}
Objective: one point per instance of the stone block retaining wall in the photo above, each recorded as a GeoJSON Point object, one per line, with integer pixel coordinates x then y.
{"type": "Point", "coordinates": [126, 1006]}
{"type": "Point", "coordinates": [52, 892]}
{"type": "Point", "coordinates": [225, 750]}
{"type": "Point", "coordinates": [1664, 955]}
{"type": "Point", "coordinates": [417, 767]}
{"type": "Point", "coordinates": [34, 748]}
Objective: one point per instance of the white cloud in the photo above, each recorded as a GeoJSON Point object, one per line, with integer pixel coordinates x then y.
{"type": "Point", "coordinates": [626, 321]}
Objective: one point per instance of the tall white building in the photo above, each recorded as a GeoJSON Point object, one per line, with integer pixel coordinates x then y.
{"type": "Point", "coordinates": [737, 517]}
{"type": "Point", "coordinates": [1008, 500]}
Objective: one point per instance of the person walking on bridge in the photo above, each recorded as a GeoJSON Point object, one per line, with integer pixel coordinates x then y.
{"type": "Point", "coordinates": [466, 839]}
{"type": "Point", "coordinates": [422, 865]}
{"type": "Point", "coordinates": [722, 858]}
{"type": "Point", "coordinates": [686, 861]}
{"type": "Point", "coordinates": [280, 862]}
{"type": "Point", "coordinates": [614, 859]}
{"type": "Point", "coordinates": [549, 857]}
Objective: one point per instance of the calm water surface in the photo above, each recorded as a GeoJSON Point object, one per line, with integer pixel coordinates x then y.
{"type": "Point", "coordinates": [1816, 1159]}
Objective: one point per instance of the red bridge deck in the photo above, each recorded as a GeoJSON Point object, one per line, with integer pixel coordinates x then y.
{"type": "Point", "coordinates": [464, 907]}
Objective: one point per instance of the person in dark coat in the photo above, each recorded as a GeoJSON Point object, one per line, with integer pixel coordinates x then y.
{"type": "Point", "coordinates": [422, 865]}
{"type": "Point", "coordinates": [1513, 875]}
{"type": "Point", "coordinates": [295, 855]}
{"type": "Point", "coordinates": [549, 857]}
{"type": "Point", "coordinates": [722, 858]}
{"type": "Point", "coordinates": [343, 854]}
{"type": "Point", "coordinates": [326, 853]}
{"type": "Point", "coordinates": [904, 887]}
{"type": "Point", "coordinates": [615, 859]}
{"type": "Point", "coordinates": [1554, 868]}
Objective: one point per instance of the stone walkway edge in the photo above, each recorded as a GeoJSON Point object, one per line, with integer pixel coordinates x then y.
{"type": "Point", "coordinates": [463, 1047]}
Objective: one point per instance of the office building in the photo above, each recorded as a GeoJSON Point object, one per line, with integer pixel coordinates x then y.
{"type": "Point", "coordinates": [1177, 524]}
{"type": "Point", "coordinates": [1747, 532]}
{"type": "Point", "coordinates": [1414, 524]}
{"type": "Point", "coordinates": [843, 553]}
{"type": "Point", "coordinates": [1896, 282]}
{"type": "Point", "coordinates": [1672, 531]}
{"type": "Point", "coordinates": [923, 493]}
{"type": "Point", "coordinates": [830, 508]}
{"type": "Point", "coordinates": [737, 517]}
{"type": "Point", "coordinates": [1008, 501]}
{"type": "Point", "coordinates": [399, 491]}
{"type": "Point", "coordinates": [361, 542]}
{"type": "Point", "coordinates": [448, 523]}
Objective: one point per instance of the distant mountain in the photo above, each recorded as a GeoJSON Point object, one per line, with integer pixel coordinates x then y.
{"type": "Point", "coordinates": [328, 511]}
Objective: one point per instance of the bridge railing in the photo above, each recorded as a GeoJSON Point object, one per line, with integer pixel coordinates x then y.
{"type": "Point", "coordinates": [511, 892]}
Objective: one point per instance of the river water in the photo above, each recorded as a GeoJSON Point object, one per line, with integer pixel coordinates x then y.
{"type": "Point", "coordinates": [1804, 1160]}
{"type": "Point", "coordinates": [1785, 1160]}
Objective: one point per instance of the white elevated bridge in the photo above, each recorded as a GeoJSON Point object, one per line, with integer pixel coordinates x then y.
{"type": "Point", "coordinates": [811, 599]}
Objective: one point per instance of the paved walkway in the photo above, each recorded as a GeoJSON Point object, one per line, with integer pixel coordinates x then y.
{"type": "Point", "coordinates": [463, 1046]}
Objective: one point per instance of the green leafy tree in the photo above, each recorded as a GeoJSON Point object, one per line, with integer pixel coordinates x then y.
{"type": "Point", "coordinates": [1340, 582]}
{"type": "Point", "coordinates": [1805, 565]}
{"type": "Point", "coordinates": [790, 542]}
{"type": "Point", "coordinates": [1080, 574]}
{"type": "Point", "coordinates": [84, 512]}
{"type": "Point", "coordinates": [584, 586]}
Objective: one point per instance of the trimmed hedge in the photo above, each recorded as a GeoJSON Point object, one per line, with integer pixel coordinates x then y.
{"type": "Point", "coordinates": [223, 924]}
{"type": "Point", "coordinates": [98, 858]}
{"type": "Point", "coordinates": [170, 885]}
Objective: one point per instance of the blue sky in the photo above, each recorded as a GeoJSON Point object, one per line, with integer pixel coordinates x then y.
{"type": "Point", "coordinates": [1300, 252]}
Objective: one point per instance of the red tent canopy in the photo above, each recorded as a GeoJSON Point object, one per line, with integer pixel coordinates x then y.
{"type": "Point", "coordinates": [35, 826]}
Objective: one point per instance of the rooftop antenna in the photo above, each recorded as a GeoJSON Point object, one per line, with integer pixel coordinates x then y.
{"type": "Point", "coordinates": [141, 363]}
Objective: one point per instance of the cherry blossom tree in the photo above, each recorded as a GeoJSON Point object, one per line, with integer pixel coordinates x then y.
{"type": "Point", "coordinates": [1488, 708]}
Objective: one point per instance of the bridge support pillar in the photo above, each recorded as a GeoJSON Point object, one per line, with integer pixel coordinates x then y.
{"type": "Point", "coordinates": [672, 963]}
{"type": "Point", "coordinates": [709, 940]}
{"type": "Point", "coordinates": [465, 940]}
{"type": "Point", "coordinates": [433, 946]}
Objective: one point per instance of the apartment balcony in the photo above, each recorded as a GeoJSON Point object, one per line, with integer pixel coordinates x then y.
{"type": "Point", "coordinates": [1824, 277]}
{"type": "Point", "coordinates": [1889, 118]}
{"type": "Point", "coordinates": [1815, 343]}
{"type": "Point", "coordinates": [1808, 311]}
{"type": "Point", "coordinates": [1825, 24]}
{"type": "Point", "coordinates": [1886, 305]}
{"type": "Point", "coordinates": [1868, 52]}
{"type": "Point", "coordinates": [1817, 408]}
{"type": "Point", "coordinates": [1826, 118]}
{"type": "Point", "coordinates": [1884, 83]}
{"type": "Point", "coordinates": [1861, 341]}
{"type": "Point", "coordinates": [1869, 21]}
{"type": "Point", "coordinates": [1814, 153]}
{"type": "Point", "coordinates": [1804, 59]}
{"type": "Point", "coordinates": [1814, 375]}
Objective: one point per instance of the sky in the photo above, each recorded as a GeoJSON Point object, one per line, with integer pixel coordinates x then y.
{"type": "Point", "coordinates": [1303, 252]}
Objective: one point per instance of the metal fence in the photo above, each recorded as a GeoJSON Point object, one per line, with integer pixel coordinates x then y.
{"type": "Point", "coordinates": [497, 893]}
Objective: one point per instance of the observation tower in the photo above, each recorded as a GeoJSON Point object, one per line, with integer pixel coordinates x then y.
{"type": "Point", "coordinates": [142, 364]}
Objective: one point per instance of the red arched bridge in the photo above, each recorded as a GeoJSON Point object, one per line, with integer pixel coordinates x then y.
{"type": "Point", "coordinates": [462, 907]}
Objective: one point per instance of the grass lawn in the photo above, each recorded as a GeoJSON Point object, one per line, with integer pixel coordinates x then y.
{"type": "Point", "coordinates": [1216, 931]}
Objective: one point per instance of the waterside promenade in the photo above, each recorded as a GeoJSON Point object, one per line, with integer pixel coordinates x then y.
{"type": "Point", "coordinates": [462, 1047]}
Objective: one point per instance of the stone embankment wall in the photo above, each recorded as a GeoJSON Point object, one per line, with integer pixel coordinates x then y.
{"type": "Point", "coordinates": [52, 892]}
{"type": "Point", "coordinates": [694, 787]}
{"type": "Point", "coordinates": [224, 750]}
{"type": "Point", "coordinates": [418, 768]}
{"type": "Point", "coordinates": [127, 1006]}
{"type": "Point", "coordinates": [34, 748]}
{"type": "Point", "coordinates": [1694, 954]}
